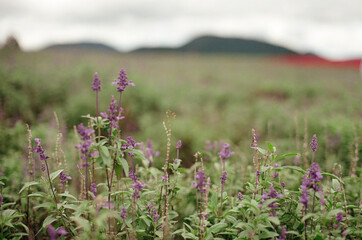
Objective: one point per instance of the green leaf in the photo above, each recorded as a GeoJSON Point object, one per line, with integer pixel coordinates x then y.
{"type": "Point", "coordinates": [26, 185]}
{"type": "Point", "coordinates": [274, 220]}
{"type": "Point", "coordinates": [105, 156]}
{"type": "Point", "coordinates": [286, 155]}
{"type": "Point", "coordinates": [267, 234]}
{"type": "Point", "coordinates": [336, 185]}
{"type": "Point", "coordinates": [333, 213]}
{"type": "Point", "coordinates": [55, 174]}
{"type": "Point", "coordinates": [332, 175]}
{"type": "Point", "coordinates": [262, 151]}
{"type": "Point", "coordinates": [35, 195]}
{"type": "Point", "coordinates": [309, 215]}
{"type": "Point", "coordinates": [48, 220]}
{"type": "Point", "coordinates": [298, 169]}
{"type": "Point", "coordinates": [67, 195]}
{"type": "Point", "coordinates": [271, 148]}
{"type": "Point", "coordinates": [218, 227]}
{"type": "Point", "coordinates": [122, 162]}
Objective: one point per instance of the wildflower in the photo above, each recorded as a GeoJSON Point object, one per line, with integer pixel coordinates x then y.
{"type": "Point", "coordinates": [138, 187]}
{"type": "Point", "coordinates": [273, 194]}
{"type": "Point", "coordinates": [122, 81]}
{"type": "Point", "coordinates": [84, 132]}
{"type": "Point", "coordinates": [93, 189]}
{"type": "Point", "coordinates": [225, 152]}
{"type": "Point", "coordinates": [131, 144]}
{"type": "Point", "coordinates": [63, 177]}
{"type": "Point", "coordinates": [223, 178]}
{"type": "Point", "coordinates": [200, 181]}
{"type": "Point", "coordinates": [114, 113]}
{"type": "Point", "coordinates": [315, 175]}
{"type": "Point", "coordinates": [283, 185]}
{"type": "Point", "coordinates": [153, 212]}
{"type": "Point", "coordinates": [240, 196]}
{"type": "Point", "coordinates": [339, 217]}
{"type": "Point", "coordinates": [313, 145]}
{"type": "Point", "coordinates": [179, 144]}
{"type": "Point", "coordinates": [275, 175]}
{"type": "Point", "coordinates": [52, 233]}
{"type": "Point", "coordinates": [148, 151]}
{"type": "Point", "coordinates": [283, 234]}
{"type": "Point", "coordinates": [305, 197]}
{"type": "Point", "coordinates": [96, 86]}
{"type": "Point", "coordinates": [124, 213]}
{"type": "Point", "coordinates": [39, 149]}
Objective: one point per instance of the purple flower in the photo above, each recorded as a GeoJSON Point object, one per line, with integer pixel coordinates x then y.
{"type": "Point", "coordinates": [283, 234]}
{"type": "Point", "coordinates": [96, 86]}
{"type": "Point", "coordinates": [39, 149]}
{"type": "Point", "coordinates": [339, 217]}
{"type": "Point", "coordinates": [200, 181]}
{"type": "Point", "coordinates": [114, 113]}
{"type": "Point", "coordinates": [275, 175]}
{"type": "Point", "coordinates": [124, 213]}
{"type": "Point", "coordinates": [42, 167]}
{"type": "Point", "coordinates": [148, 151]}
{"type": "Point", "coordinates": [122, 81]}
{"type": "Point", "coordinates": [225, 152]}
{"type": "Point", "coordinates": [313, 145]}
{"type": "Point", "coordinates": [273, 194]}
{"type": "Point", "coordinates": [63, 177]}
{"type": "Point", "coordinates": [208, 145]}
{"type": "Point", "coordinates": [52, 233]}
{"type": "Point", "coordinates": [138, 187]}
{"type": "Point", "coordinates": [305, 197]}
{"type": "Point", "coordinates": [240, 196]}
{"type": "Point", "coordinates": [283, 185]}
{"type": "Point", "coordinates": [223, 177]}
{"type": "Point", "coordinates": [179, 144]}
{"type": "Point", "coordinates": [315, 175]}
{"type": "Point", "coordinates": [93, 189]}
{"type": "Point", "coordinates": [153, 212]}
{"type": "Point", "coordinates": [84, 132]}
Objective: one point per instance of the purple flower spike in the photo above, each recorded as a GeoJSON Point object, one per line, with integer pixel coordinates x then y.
{"type": "Point", "coordinates": [240, 196]}
{"type": "Point", "coordinates": [63, 177]}
{"type": "Point", "coordinates": [339, 217]}
{"type": "Point", "coordinates": [313, 145]}
{"type": "Point", "coordinates": [223, 177]}
{"type": "Point", "coordinates": [114, 113]}
{"type": "Point", "coordinates": [96, 86]}
{"type": "Point", "coordinates": [225, 152]}
{"type": "Point", "coordinates": [122, 81]}
{"type": "Point", "coordinates": [283, 234]}
{"type": "Point", "coordinates": [39, 149]}
{"type": "Point", "coordinates": [84, 132]}
{"type": "Point", "coordinates": [52, 233]}
{"type": "Point", "coordinates": [124, 213]}
{"type": "Point", "coordinates": [93, 189]}
{"type": "Point", "coordinates": [138, 187]}
{"type": "Point", "coordinates": [179, 144]}
{"type": "Point", "coordinates": [200, 181]}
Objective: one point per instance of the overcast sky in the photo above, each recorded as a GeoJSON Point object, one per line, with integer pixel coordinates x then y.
{"type": "Point", "coordinates": [329, 27]}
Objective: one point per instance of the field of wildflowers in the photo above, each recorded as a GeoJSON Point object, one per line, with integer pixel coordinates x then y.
{"type": "Point", "coordinates": [111, 185]}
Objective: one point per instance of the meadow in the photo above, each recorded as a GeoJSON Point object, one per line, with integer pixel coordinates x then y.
{"type": "Point", "coordinates": [222, 181]}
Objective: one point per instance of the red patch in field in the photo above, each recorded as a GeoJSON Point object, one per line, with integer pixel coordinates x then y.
{"type": "Point", "coordinates": [315, 61]}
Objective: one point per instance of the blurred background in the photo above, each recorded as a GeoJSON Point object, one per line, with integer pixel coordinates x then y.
{"type": "Point", "coordinates": [288, 69]}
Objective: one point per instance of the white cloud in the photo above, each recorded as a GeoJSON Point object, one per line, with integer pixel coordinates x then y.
{"type": "Point", "coordinates": [330, 27]}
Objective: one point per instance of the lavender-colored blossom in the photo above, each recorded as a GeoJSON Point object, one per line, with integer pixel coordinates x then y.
{"type": "Point", "coordinates": [208, 145]}
{"type": "Point", "coordinates": [123, 213]}
{"type": "Point", "coordinates": [225, 152]}
{"type": "Point", "coordinates": [313, 145]}
{"type": "Point", "coordinates": [283, 185]}
{"type": "Point", "coordinates": [322, 200]}
{"type": "Point", "coordinates": [315, 175]}
{"type": "Point", "coordinates": [39, 149]}
{"type": "Point", "coordinates": [63, 177]}
{"type": "Point", "coordinates": [153, 212]}
{"type": "Point", "coordinates": [138, 187]}
{"type": "Point", "coordinates": [223, 177]}
{"type": "Point", "coordinates": [272, 194]}
{"type": "Point", "coordinates": [148, 151]}
{"type": "Point", "coordinates": [42, 168]}
{"type": "Point", "coordinates": [240, 196]}
{"type": "Point", "coordinates": [114, 113]}
{"type": "Point", "coordinates": [200, 181]}
{"type": "Point", "coordinates": [93, 189]}
{"type": "Point", "coordinates": [96, 86]}
{"type": "Point", "coordinates": [52, 233]}
{"type": "Point", "coordinates": [339, 217]}
{"type": "Point", "coordinates": [84, 132]}
{"type": "Point", "coordinates": [122, 81]}
{"type": "Point", "coordinates": [305, 192]}
{"type": "Point", "coordinates": [283, 234]}
{"type": "Point", "coordinates": [275, 175]}
{"type": "Point", "coordinates": [179, 144]}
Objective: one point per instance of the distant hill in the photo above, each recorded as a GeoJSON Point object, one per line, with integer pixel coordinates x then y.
{"type": "Point", "coordinates": [90, 46]}
{"type": "Point", "coordinates": [211, 44]}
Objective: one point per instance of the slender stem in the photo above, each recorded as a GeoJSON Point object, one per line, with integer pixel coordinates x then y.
{"type": "Point", "coordinates": [86, 180]}
{"type": "Point", "coordinates": [50, 182]}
